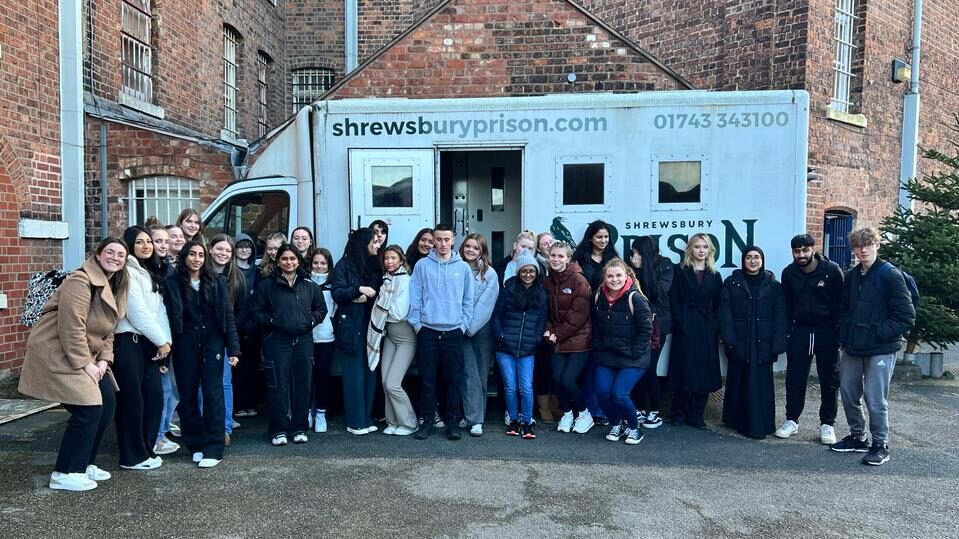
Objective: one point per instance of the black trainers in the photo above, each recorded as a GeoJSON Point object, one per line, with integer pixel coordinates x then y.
{"type": "Point", "coordinates": [426, 429]}
{"type": "Point", "coordinates": [527, 432]}
{"type": "Point", "coordinates": [877, 456]}
{"type": "Point", "coordinates": [849, 444]}
{"type": "Point", "coordinates": [513, 428]}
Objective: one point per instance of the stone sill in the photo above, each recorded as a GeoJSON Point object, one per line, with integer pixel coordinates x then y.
{"type": "Point", "coordinates": [142, 106]}
{"type": "Point", "coordinates": [858, 120]}
{"type": "Point", "coordinates": [43, 230]}
{"type": "Point", "coordinates": [227, 137]}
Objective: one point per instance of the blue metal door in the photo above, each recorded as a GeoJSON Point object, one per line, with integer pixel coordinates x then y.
{"type": "Point", "coordinates": [836, 238]}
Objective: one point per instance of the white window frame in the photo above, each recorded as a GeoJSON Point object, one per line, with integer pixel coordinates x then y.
{"type": "Point", "coordinates": [310, 83]}
{"type": "Point", "coordinates": [845, 22]}
{"type": "Point", "coordinates": [705, 182]}
{"type": "Point", "coordinates": [607, 183]}
{"type": "Point", "coordinates": [136, 50]}
{"type": "Point", "coordinates": [262, 93]}
{"type": "Point", "coordinates": [230, 40]}
{"type": "Point", "coordinates": [162, 196]}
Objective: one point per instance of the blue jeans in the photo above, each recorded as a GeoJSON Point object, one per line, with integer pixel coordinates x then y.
{"type": "Point", "coordinates": [170, 399]}
{"type": "Point", "coordinates": [612, 389]}
{"type": "Point", "coordinates": [517, 371]}
{"type": "Point", "coordinates": [590, 396]}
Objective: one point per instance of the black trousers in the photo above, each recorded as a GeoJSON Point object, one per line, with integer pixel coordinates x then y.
{"type": "Point", "coordinates": [802, 345]}
{"type": "Point", "coordinates": [441, 351]}
{"type": "Point", "coordinates": [198, 364]}
{"type": "Point", "coordinates": [647, 390]}
{"type": "Point", "coordinates": [566, 370]}
{"type": "Point", "coordinates": [322, 358]}
{"type": "Point", "coordinates": [543, 369]}
{"type": "Point", "coordinates": [288, 367]}
{"type": "Point", "coordinates": [689, 406]}
{"type": "Point", "coordinates": [81, 438]}
{"type": "Point", "coordinates": [140, 400]}
{"type": "Point", "coordinates": [246, 375]}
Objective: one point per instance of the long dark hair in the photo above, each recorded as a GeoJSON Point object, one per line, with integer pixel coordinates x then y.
{"type": "Point", "coordinates": [646, 248]}
{"type": "Point", "coordinates": [585, 248]}
{"type": "Point", "coordinates": [309, 251]}
{"type": "Point", "coordinates": [207, 275]}
{"type": "Point", "coordinates": [153, 265]}
{"type": "Point", "coordinates": [524, 298]}
{"type": "Point", "coordinates": [381, 224]}
{"type": "Point", "coordinates": [358, 255]}
{"type": "Point", "coordinates": [413, 251]}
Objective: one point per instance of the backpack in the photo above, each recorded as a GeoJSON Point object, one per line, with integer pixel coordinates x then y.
{"type": "Point", "coordinates": [910, 283]}
{"type": "Point", "coordinates": [40, 288]}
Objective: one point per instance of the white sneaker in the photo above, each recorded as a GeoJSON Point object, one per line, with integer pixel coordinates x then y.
{"type": "Point", "coordinates": [149, 464]}
{"type": "Point", "coordinates": [309, 420]}
{"type": "Point", "coordinates": [165, 447]}
{"type": "Point", "coordinates": [96, 474]}
{"type": "Point", "coordinates": [279, 439]}
{"type": "Point", "coordinates": [197, 457]}
{"type": "Point", "coordinates": [389, 430]}
{"type": "Point", "coordinates": [787, 429]}
{"type": "Point", "coordinates": [476, 430]}
{"type": "Point", "coordinates": [300, 438]}
{"type": "Point", "coordinates": [319, 422]}
{"type": "Point", "coordinates": [827, 435]}
{"type": "Point", "coordinates": [584, 422]}
{"type": "Point", "coordinates": [76, 482]}
{"type": "Point", "coordinates": [234, 424]}
{"type": "Point", "coordinates": [404, 431]}
{"type": "Point", "coordinates": [506, 418]}
{"type": "Point", "coordinates": [208, 463]}
{"type": "Point", "coordinates": [357, 432]}
{"type": "Point", "coordinates": [565, 422]}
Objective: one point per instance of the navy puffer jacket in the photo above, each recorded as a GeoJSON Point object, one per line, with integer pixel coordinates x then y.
{"type": "Point", "coordinates": [519, 332]}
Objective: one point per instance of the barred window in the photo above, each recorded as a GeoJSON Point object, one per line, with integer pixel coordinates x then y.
{"type": "Point", "coordinates": [845, 49]}
{"type": "Point", "coordinates": [163, 197]}
{"type": "Point", "coordinates": [136, 52]}
{"type": "Point", "coordinates": [309, 84]}
{"type": "Point", "coordinates": [263, 63]}
{"type": "Point", "coordinates": [230, 39]}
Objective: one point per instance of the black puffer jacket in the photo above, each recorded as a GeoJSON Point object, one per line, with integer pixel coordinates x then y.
{"type": "Point", "coordinates": [753, 327]}
{"type": "Point", "coordinates": [872, 320]}
{"type": "Point", "coordinates": [218, 297]}
{"type": "Point", "coordinates": [352, 319]}
{"type": "Point", "coordinates": [517, 332]}
{"type": "Point", "coordinates": [620, 335]}
{"type": "Point", "coordinates": [292, 311]}
{"type": "Point", "coordinates": [812, 299]}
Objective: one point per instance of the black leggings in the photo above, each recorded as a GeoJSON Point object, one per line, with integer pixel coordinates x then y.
{"type": "Point", "coordinates": [322, 357]}
{"type": "Point", "coordinates": [81, 438]}
{"type": "Point", "coordinates": [648, 386]}
{"type": "Point", "coordinates": [566, 369]}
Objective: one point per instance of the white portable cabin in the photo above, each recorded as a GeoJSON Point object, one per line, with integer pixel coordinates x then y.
{"type": "Point", "coordinates": [664, 164]}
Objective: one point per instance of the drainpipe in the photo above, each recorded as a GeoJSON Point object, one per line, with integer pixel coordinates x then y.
{"type": "Point", "coordinates": [71, 132]}
{"type": "Point", "coordinates": [910, 114]}
{"type": "Point", "coordinates": [352, 34]}
{"type": "Point", "coordinates": [104, 186]}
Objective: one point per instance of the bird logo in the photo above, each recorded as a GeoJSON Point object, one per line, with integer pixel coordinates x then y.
{"type": "Point", "coordinates": [560, 232]}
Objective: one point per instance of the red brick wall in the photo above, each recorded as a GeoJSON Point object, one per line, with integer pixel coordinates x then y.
{"type": "Point", "coordinates": [475, 48]}
{"type": "Point", "coordinates": [314, 38]}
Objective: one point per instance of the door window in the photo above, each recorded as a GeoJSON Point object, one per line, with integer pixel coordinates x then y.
{"type": "Point", "coordinates": [256, 214]}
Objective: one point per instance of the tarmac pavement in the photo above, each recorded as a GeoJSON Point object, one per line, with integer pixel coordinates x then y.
{"type": "Point", "coordinates": [679, 482]}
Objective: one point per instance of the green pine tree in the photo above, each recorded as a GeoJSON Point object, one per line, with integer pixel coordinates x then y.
{"type": "Point", "coordinates": [927, 246]}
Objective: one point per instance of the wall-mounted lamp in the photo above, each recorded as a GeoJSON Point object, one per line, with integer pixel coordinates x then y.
{"type": "Point", "coordinates": [901, 71]}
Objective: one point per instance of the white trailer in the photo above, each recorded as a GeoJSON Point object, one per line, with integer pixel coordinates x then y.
{"type": "Point", "coordinates": [664, 164]}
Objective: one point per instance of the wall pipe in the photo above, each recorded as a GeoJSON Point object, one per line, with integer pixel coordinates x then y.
{"type": "Point", "coordinates": [910, 114]}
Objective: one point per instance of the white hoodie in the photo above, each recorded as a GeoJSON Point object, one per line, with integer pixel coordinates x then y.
{"type": "Point", "coordinates": [146, 313]}
{"type": "Point", "coordinates": [324, 331]}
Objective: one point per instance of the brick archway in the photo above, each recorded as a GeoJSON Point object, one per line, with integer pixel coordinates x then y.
{"type": "Point", "coordinates": [13, 259]}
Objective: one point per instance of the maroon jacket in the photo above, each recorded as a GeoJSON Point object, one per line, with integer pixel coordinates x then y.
{"type": "Point", "coordinates": [569, 308]}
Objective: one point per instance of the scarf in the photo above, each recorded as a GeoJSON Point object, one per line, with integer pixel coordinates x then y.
{"type": "Point", "coordinates": [611, 296]}
{"type": "Point", "coordinates": [378, 318]}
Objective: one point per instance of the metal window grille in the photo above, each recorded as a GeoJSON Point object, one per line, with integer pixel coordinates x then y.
{"type": "Point", "coordinates": [136, 53]}
{"type": "Point", "coordinates": [309, 84]}
{"type": "Point", "coordinates": [163, 197]}
{"type": "Point", "coordinates": [262, 69]}
{"type": "Point", "coordinates": [230, 39]}
{"type": "Point", "coordinates": [845, 49]}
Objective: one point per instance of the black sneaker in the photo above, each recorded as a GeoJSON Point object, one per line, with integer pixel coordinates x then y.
{"type": "Point", "coordinates": [849, 444]}
{"type": "Point", "coordinates": [877, 456]}
{"type": "Point", "coordinates": [426, 429]}
{"type": "Point", "coordinates": [601, 421]}
{"type": "Point", "coordinates": [513, 428]}
{"type": "Point", "coordinates": [527, 432]}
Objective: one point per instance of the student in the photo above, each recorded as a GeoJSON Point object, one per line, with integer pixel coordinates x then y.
{"type": "Point", "coordinates": [381, 233]}
{"type": "Point", "coordinates": [506, 267]}
{"type": "Point", "coordinates": [548, 403]}
{"type": "Point", "coordinates": [69, 353]}
{"type": "Point", "coordinates": [246, 375]}
{"type": "Point", "coordinates": [161, 246]}
{"type": "Point", "coordinates": [813, 289]}
{"type": "Point", "coordinates": [876, 311]}
{"type": "Point", "coordinates": [323, 338]}
{"type": "Point", "coordinates": [478, 341]}
{"type": "Point", "coordinates": [391, 341]}
{"type": "Point", "coordinates": [441, 307]}
{"type": "Point", "coordinates": [356, 281]}
{"type": "Point", "coordinates": [163, 445]}
{"type": "Point", "coordinates": [752, 320]}
{"type": "Point", "coordinates": [518, 324]}
{"type": "Point", "coordinates": [189, 223]}
{"type": "Point", "coordinates": [302, 241]}
{"type": "Point", "coordinates": [286, 307]}
{"type": "Point", "coordinates": [622, 328]}
{"type": "Point", "coordinates": [544, 241]}
{"type": "Point", "coordinates": [594, 251]}
{"type": "Point", "coordinates": [223, 262]}
{"type": "Point", "coordinates": [569, 331]}
{"type": "Point", "coordinates": [268, 262]}
{"type": "Point", "coordinates": [694, 357]}
{"type": "Point", "coordinates": [655, 275]}
{"type": "Point", "coordinates": [176, 242]}
{"type": "Point", "coordinates": [202, 323]}
{"type": "Point", "coordinates": [141, 339]}
{"type": "Point", "coordinates": [420, 247]}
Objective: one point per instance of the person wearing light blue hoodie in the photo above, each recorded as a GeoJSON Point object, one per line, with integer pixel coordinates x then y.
{"type": "Point", "coordinates": [441, 308]}
{"type": "Point", "coordinates": [478, 342]}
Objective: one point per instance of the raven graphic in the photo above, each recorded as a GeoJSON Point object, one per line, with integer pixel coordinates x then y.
{"type": "Point", "coordinates": [560, 232]}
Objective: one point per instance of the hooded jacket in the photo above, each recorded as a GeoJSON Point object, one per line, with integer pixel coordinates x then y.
{"type": "Point", "coordinates": [352, 319]}
{"type": "Point", "coordinates": [323, 332]}
{"type": "Point", "coordinates": [292, 310]}
{"type": "Point", "coordinates": [621, 335]}
{"type": "Point", "coordinates": [753, 326]}
{"type": "Point", "coordinates": [485, 292]}
{"type": "Point", "coordinates": [249, 273]}
{"type": "Point", "coordinates": [441, 294]}
{"type": "Point", "coordinates": [517, 332]}
{"type": "Point", "coordinates": [224, 319]}
{"type": "Point", "coordinates": [812, 299]}
{"type": "Point", "coordinates": [872, 321]}
{"type": "Point", "coordinates": [569, 309]}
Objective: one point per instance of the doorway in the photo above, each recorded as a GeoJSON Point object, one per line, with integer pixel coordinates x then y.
{"type": "Point", "coordinates": [481, 191]}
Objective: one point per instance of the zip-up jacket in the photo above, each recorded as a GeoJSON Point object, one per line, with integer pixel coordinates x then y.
{"type": "Point", "coordinates": [812, 299]}
{"type": "Point", "coordinates": [518, 333]}
{"type": "Point", "coordinates": [621, 336]}
{"type": "Point", "coordinates": [872, 322]}
{"type": "Point", "coordinates": [146, 313]}
{"type": "Point", "coordinates": [352, 319]}
{"type": "Point", "coordinates": [289, 310]}
{"type": "Point", "coordinates": [323, 332]}
{"type": "Point", "coordinates": [753, 327]}
{"type": "Point", "coordinates": [569, 305]}
{"type": "Point", "coordinates": [441, 294]}
{"type": "Point", "coordinates": [219, 299]}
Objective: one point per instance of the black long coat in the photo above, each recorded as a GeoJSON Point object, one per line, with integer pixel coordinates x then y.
{"type": "Point", "coordinates": [352, 319]}
{"type": "Point", "coordinates": [694, 356]}
{"type": "Point", "coordinates": [753, 328]}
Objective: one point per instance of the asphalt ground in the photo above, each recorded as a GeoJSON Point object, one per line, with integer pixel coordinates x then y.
{"type": "Point", "coordinates": [679, 482]}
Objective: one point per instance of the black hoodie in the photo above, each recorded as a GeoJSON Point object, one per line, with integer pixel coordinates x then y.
{"type": "Point", "coordinates": [812, 299]}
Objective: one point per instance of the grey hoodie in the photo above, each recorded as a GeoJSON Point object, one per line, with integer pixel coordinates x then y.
{"type": "Point", "coordinates": [441, 294]}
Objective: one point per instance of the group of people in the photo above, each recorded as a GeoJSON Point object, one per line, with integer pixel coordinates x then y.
{"type": "Point", "coordinates": [163, 322]}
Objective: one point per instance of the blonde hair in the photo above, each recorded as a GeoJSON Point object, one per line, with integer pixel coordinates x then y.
{"type": "Point", "coordinates": [863, 236]}
{"type": "Point", "coordinates": [526, 235]}
{"type": "Point", "coordinates": [267, 265]}
{"type": "Point", "coordinates": [710, 257]}
{"type": "Point", "coordinates": [619, 263]}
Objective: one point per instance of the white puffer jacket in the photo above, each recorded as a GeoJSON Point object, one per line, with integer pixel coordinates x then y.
{"type": "Point", "coordinates": [323, 332]}
{"type": "Point", "coordinates": [146, 313]}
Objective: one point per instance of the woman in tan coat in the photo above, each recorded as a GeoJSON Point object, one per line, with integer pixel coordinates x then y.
{"type": "Point", "coordinates": [69, 353]}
